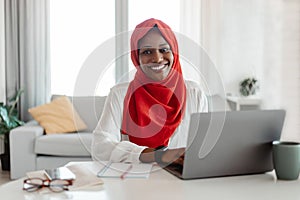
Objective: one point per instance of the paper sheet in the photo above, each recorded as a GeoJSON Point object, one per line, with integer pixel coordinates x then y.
{"type": "Point", "coordinates": [124, 170]}
{"type": "Point", "coordinates": [85, 179]}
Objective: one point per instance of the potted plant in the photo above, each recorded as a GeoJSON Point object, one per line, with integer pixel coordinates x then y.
{"type": "Point", "coordinates": [9, 119]}
{"type": "Point", "coordinates": [248, 86]}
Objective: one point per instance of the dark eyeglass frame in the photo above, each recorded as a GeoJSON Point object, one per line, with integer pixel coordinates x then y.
{"type": "Point", "coordinates": [46, 183]}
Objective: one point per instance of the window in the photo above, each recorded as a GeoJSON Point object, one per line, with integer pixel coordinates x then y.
{"type": "Point", "coordinates": [77, 28]}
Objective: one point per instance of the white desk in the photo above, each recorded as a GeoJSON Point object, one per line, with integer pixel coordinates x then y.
{"type": "Point", "coordinates": [244, 101]}
{"type": "Point", "coordinates": [162, 185]}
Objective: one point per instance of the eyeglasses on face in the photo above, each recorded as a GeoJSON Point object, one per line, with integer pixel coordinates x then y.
{"type": "Point", "coordinates": [56, 185]}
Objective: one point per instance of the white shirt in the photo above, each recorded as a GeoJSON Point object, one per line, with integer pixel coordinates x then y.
{"type": "Point", "coordinates": [109, 144]}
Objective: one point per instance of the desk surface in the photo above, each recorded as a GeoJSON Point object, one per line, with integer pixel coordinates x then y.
{"type": "Point", "coordinates": [162, 185]}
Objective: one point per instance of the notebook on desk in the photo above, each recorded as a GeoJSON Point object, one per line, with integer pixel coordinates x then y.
{"type": "Point", "coordinates": [230, 143]}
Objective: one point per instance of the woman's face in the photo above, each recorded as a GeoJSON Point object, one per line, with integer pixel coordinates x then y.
{"type": "Point", "coordinates": [155, 55]}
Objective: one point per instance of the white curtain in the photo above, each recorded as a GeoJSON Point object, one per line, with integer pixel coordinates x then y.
{"type": "Point", "coordinates": [2, 64]}
{"type": "Point", "coordinates": [2, 54]}
{"type": "Point", "coordinates": [27, 52]}
{"type": "Point", "coordinates": [200, 21]}
{"type": "Point", "coordinates": [122, 45]}
{"type": "Point", "coordinates": [190, 19]}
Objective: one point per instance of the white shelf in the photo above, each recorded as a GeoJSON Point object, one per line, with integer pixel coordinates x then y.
{"type": "Point", "coordinates": [244, 101]}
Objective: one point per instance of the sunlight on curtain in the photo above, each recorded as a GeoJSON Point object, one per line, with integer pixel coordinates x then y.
{"type": "Point", "coordinates": [77, 27]}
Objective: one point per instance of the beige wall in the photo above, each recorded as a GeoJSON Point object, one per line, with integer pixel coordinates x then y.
{"type": "Point", "coordinates": [290, 68]}
{"type": "Point", "coordinates": [232, 34]}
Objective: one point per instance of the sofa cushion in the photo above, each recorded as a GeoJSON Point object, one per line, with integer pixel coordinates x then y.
{"type": "Point", "coordinates": [58, 116]}
{"type": "Point", "coordinates": [75, 144]}
{"type": "Point", "coordinates": [89, 109]}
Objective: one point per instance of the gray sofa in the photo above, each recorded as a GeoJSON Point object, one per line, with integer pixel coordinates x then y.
{"type": "Point", "coordinates": [31, 150]}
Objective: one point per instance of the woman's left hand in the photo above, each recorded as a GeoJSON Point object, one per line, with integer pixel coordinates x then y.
{"type": "Point", "coordinates": [175, 156]}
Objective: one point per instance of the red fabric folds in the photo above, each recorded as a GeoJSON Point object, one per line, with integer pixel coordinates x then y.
{"type": "Point", "coordinates": [153, 109]}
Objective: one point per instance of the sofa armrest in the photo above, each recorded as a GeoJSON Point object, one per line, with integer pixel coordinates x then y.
{"type": "Point", "coordinates": [22, 155]}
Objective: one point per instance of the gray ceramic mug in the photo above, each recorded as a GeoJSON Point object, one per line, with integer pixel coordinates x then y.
{"type": "Point", "coordinates": [286, 160]}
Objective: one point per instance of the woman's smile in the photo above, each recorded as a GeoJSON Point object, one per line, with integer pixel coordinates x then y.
{"type": "Point", "coordinates": [157, 68]}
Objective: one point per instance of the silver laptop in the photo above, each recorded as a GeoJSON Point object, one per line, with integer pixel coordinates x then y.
{"type": "Point", "coordinates": [230, 143]}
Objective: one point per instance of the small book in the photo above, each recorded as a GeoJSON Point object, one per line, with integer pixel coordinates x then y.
{"type": "Point", "coordinates": [124, 170]}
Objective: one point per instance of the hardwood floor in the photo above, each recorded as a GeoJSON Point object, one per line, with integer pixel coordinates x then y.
{"type": "Point", "coordinates": [4, 176]}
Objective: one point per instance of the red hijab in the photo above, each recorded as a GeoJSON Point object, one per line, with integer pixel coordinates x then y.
{"type": "Point", "coordinates": [153, 109]}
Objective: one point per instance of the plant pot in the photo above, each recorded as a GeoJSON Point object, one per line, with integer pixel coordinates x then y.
{"type": "Point", "coordinates": [5, 162]}
{"type": "Point", "coordinates": [5, 157]}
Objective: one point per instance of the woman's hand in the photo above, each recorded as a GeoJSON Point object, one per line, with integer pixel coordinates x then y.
{"type": "Point", "coordinates": [147, 155]}
{"type": "Point", "coordinates": [175, 156]}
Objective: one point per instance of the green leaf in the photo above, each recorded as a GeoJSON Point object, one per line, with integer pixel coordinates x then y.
{"type": "Point", "coordinates": [4, 115]}
{"type": "Point", "coordinates": [9, 115]}
{"type": "Point", "coordinates": [15, 98]}
{"type": "Point", "coordinates": [16, 121]}
{"type": "Point", "coordinates": [12, 123]}
{"type": "Point", "coordinates": [13, 101]}
{"type": "Point", "coordinates": [20, 123]}
{"type": "Point", "coordinates": [15, 112]}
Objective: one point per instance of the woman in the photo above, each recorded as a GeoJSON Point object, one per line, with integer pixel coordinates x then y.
{"type": "Point", "coordinates": [152, 112]}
